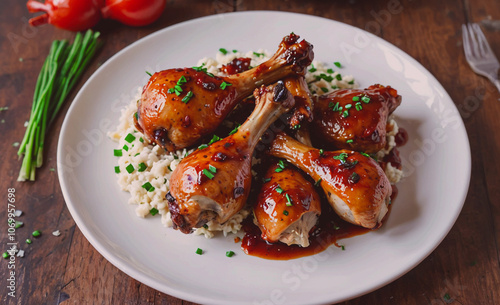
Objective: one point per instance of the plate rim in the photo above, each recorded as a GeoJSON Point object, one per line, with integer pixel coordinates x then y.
{"type": "Point", "coordinates": [121, 265]}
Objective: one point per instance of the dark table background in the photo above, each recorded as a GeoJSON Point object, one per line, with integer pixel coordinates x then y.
{"type": "Point", "coordinates": [68, 270]}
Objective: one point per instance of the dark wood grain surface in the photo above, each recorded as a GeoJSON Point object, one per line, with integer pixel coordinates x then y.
{"type": "Point", "coordinates": [464, 269]}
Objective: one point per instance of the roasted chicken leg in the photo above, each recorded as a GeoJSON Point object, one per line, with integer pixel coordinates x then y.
{"type": "Point", "coordinates": [213, 183]}
{"type": "Point", "coordinates": [355, 185]}
{"type": "Point", "coordinates": [355, 118]}
{"type": "Point", "coordinates": [179, 106]}
{"type": "Point", "coordinates": [287, 207]}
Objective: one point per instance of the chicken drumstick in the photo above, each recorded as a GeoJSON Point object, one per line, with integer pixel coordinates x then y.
{"type": "Point", "coordinates": [179, 106]}
{"type": "Point", "coordinates": [214, 182]}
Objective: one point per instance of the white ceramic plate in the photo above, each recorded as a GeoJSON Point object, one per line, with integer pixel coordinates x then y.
{"type": "Point", "coordinates": [437, 162]}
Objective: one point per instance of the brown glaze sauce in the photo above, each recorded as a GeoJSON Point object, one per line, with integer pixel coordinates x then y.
{"type": "Point", "coordinates": [329, 230]}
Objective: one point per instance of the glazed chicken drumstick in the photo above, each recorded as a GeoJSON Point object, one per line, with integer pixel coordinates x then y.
{"type": "Point", "coordinates": [355, 118]}
{"type": "Point", "coordinates": [179, 106]}
{"type": "Point", "coordinates": [213, 183]}
{"type": "Point", "coordinates": [287, 207]}
{"type": "Point", "coordinates": [355, 185]}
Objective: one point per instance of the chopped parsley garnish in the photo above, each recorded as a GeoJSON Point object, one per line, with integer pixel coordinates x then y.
{"type": "Point", "coordinates": [229, 253]}
{"type": "Point", "coordinates": [207, 173]}
{"type": "Point", "coordinates": [142, 167]}
{"type": "Point", "coordinates": [148, 187]}
{"type": "Point", "coordinates": [130, 168]}
{"type": "Point", "coordinates": [223, 51]}
{"type": "Point", "coordinates": [153, 211]}
{"type": "Point", "coordinates": [118, 152]}
{"type": "Point", "coordinates": [117, 169]}
{"type": "Point", "coordinates": [337, 64]}
{"type": "Point", "coordinates": [224, 85]}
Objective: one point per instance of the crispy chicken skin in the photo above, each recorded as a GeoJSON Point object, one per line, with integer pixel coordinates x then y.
{"type": "Point", "coordinates": [355, 185]}
{"type": "Point", "coordinates": [362, 126]}
{"type": "Point", "coordinates": [287, 207]}
{"type": "Point", "coordinates": [213, 183]}
{"type": "Point", "coordinates": [175, 119]}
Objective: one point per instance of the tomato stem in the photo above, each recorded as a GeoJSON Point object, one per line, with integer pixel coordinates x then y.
{"type": "Point", "coordinates": [39, 20]}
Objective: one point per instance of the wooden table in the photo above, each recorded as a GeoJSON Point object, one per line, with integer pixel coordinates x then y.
{"type": "Point", "coordinates": [464, 269]}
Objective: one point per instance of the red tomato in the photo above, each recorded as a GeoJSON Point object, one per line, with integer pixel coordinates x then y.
{"type": "Point", "coordinates": [133, 12]}
{"type": "Point", "coordinates": [73, 15]}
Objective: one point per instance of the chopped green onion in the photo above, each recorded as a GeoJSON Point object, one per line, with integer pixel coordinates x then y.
{"type": "Point", "coordinates": [141, 140]}
{"type": "Point", "coordinates": [321, 152]}
{"type": "Point", "coordinates": [235, 129]}
{"type": "Point", "coordinates": [338, 76]}
{"type": "Point", "coordinates": [214, 139]}
{"type": "Point", "coordinates": [212, 168]}
{"type": "Point", "coordinates": [318, 182]}
{"type": "Point", "coordinates": [325, 90]}
{"type": "Point", "coordinates": [36, 233]}
{"type": "Point", "coordinates": [19, 224]}
{"type": "Point", "coordinates": [125, 147]}
{"type": "Point", "coordinates": [330, 70]}
{"type": "Point", "coordinates": [355, 98]}
{"type": "Point", "coordinates": [279, 190]}
{"type": "Point", "coordinates": [202, 146]}
{"type": "Point", "coordinates": [223, 51]}
{"type": "Point", "coordinates": [153, 211]}
{"type": "Point", "coordinates": [224, 85]}
{"type": "Point", "coordinates": [118, 152]}
{"type": "Point", "coordinates": [130, 138]}
{"type": "Point", "coordinates": [205, 226]}
{"type": "Point", "coordinates": [130, 168]}
{"type": "Point", "coordinates": [358, 106]}
{"type": "Point", "coordinates": [229, 253]}
{"type": "Point", "coordinates": [208, 174]}
{"type": "Point", "coordinates": [182, 80]}
{"type": "Point", "coordinates": [365, 99]}
{"type": "Point", "coordinates": [149, 73]}
{"type": "Point", "coordinates": [348, 106]}
{"type": "Point", "coordinates": [351, 82]}
{"type": "Point", "coordinates": [334, 107]}
{"type": "Point", "coordinates": [285, 212]}
{"type": "Point", "coordinates": [342, 157]}
{"type": "Point", "coordinates": [5, 255]}
{"type": "Point", "coordinates": [327, 78]}
{"type": "Point", "coordinates": [235, 51]}
{"type": "Point", "coordinates": [137, 154]}
{"type": "Point", "coordinates": [117, 169]}
{"type": "Point", "coordinates": [188, 96]}
{"type": "Point", "coordinates": [446, 297]}
{"type": "Point", "coordinates": [266, 180]}
{"type": "Point", "coordinates": [337, 64]}
{"type": "Point", "coordinates": [148, 187]}
{"type": "Point", "coordinates": [28, 241]}
{"type": "Point", "coordinates": [170, 90]}
{"type": "Point", "coordinates": [199, 251]}
{"type": "Point", "coordinates": [365, 154]}
{"type": "Point", "coordinates": [258, 54]}
{"type": "Point", "coordinates": [141, 167]}
{"type": "Point", "coordinates": [288, 200]}
{"type": "Point", "coordinates": [342, 247]}
{"type": "Point", "coordinates": [349, 141]}
{"type": "Point", "coordinates": [312, 69]}
{"type": "Point", "coordinates": [345, 113]}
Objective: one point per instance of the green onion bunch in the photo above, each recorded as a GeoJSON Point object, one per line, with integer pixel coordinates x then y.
{"type": "Point", "coordinates": [60, 72]}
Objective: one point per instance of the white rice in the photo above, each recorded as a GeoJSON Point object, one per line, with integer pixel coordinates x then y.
{"type": "Point", "coordinates": [159, 164]}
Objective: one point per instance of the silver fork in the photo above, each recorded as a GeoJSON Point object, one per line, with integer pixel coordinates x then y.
{"type": "Point", "coordinates": [479, 54]}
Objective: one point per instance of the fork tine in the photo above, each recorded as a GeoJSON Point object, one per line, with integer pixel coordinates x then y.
{"type": "Point", "coordinates": [465, 37]}
{"type": "Point", "coordinates": [483, 43]}
{"type": "Point", "coordinates": [474, 44]}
